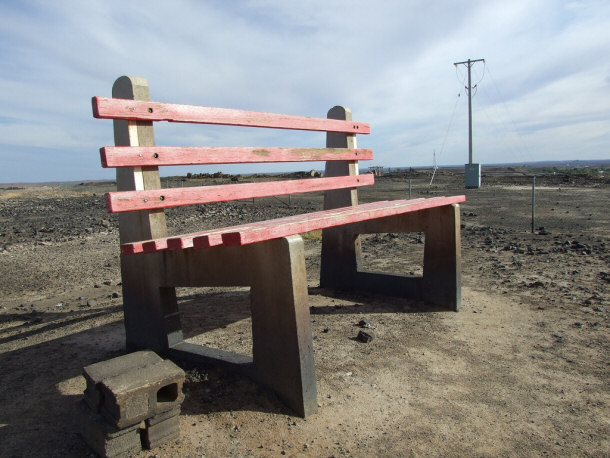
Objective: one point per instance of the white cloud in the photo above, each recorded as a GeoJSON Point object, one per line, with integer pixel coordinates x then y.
{"type": "Point", "coordinates": [390, 61]}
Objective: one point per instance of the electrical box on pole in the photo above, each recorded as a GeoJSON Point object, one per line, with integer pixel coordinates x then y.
{"type": "Point", "coordinates": [472, 171]}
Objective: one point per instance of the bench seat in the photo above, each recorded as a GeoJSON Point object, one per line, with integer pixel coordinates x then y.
{"type": "Point", "coordinates": [291, 225]}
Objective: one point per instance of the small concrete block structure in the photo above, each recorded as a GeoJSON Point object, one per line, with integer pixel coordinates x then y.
{"type": "Point", "coordinates": [105, 439]}
{"type": "Point", "coordinates": [95, 373]}
{"type": "Point", "coordinates": [161, 428]}
{"type": "Point", "coordinates": [142, 392]}
{"type": "Point", "coordinates": [130, 401]}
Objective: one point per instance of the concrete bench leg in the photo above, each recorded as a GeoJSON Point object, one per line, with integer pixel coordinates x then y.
{"type": "Point", "coordinates": [442, 257]}
{"type": "Point", "coordinates": [282, 347]}
{"type": "Point", "coordinates": [340, 259]}
{"type": "Point", "coordinates": [442, 277]}
{"type": "Point", "coordinates": [281, 330]}
{"type": "Point", "coordinates": [151, 313]}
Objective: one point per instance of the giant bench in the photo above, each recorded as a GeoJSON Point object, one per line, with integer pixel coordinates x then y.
{"type": "Point", "coordinates": [267, 256]}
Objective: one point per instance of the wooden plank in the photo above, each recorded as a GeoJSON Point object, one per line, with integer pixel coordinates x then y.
{"type": "Point", "coordinates": [327, 218]}
{"type": "Point", "coordinates": [179, 242]}
{"type": "Point", "coordinates": [209, 238]}
{"type": "Point", "coordinates": [162, 198]}
{"type": "Point", "coordinates": [113, 156]}
{"type": "Point", "coordinates": [215, 238]}
{"type": "Point", "coordinates": [296, 224]}
{"type": "Point", "coordinates": [107, 108]}
{"type": "Point", "coordinates": [187, 241]}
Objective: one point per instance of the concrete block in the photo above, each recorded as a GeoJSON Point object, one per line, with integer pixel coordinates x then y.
{"type": "Point", "coordinates": [140, 393]}
{"type": "Point", "coordinates": [161, 428]}
{"type": "Point", "coordinates": [95, 373]}
{"type": "Point", "coordinates": [105, 439]}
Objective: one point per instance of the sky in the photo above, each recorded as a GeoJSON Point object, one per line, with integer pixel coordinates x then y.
{"type": "Point", "coordinates": [543, 92]}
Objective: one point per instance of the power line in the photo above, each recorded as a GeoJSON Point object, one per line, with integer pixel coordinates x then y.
{"type": "Point", "coordinates": [445, 139]}
{"type": "Point", "coordinates": [450, 123]}
{"type": "Point", "coordinates": [511, 119]}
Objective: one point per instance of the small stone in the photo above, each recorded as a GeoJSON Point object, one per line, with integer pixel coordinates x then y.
{"type": "Point", "coordinates": [599, 309]}
{"type": "Point", "coordinates": [365, 337]}
{"type": "Point", "coordinates": [59, 304]}
{"type": "Point", "coordinates": [91, 303]}
{"type": "Point", "coordinates": [364, 323]}
{"type": "Point", "coordinates": [115, 295]}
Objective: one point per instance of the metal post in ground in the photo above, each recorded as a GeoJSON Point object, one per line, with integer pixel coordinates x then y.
{"type": "Point", "coordinates": [533, 202]}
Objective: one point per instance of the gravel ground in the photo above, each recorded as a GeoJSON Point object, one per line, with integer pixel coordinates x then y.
{"type": "Point", "coordinates": [522, 369]}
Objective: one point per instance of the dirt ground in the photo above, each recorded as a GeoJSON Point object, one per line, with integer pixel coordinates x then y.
{"type": "Point", "coordinates": [522, 369]}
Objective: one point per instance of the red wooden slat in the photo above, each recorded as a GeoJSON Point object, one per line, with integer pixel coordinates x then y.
{"type": "Point", "coordinates": [131, 248]}
{"type": "Point", "coordinates": [325, 219]}
{"type": "Point", "coordinates": [122, 201]}
{"type": "Point", "coordinates": [212, 237]}
{"type": "Point", "coordinates": [182, 242]}
{"type": "Point", "coordinates": [154, 245]}
{"type": "Point", "coordinates": [215, 238]}
{"type": "Point", "coordinates": [179, 242]}
{"type": "Point", "coordinates": [140, 156]}
{"type": "Point", "coordinates": [107, 108]}
{"type": "Point", "coordinates": [290, 225]}
{"type": "Point", "coordinates": [161, 244]}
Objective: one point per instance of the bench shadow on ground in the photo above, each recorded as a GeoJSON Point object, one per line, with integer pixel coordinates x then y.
{"type": "Point", "coordinates": [32, 376]}
{"type": "Point", "coordinates": [40, 386]}
{"type": "Point", "coordinates": [201, 313]}
{"type": "Point", "coordinates": [211, 389]}
{"type": "Point", "coordinates": [49, 322]}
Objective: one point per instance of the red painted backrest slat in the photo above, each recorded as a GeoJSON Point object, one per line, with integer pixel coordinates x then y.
{"type": "Point", "coordinates": [151, 199]}
{"type": "Point", "coordinates": [151, 157]}
{"type": "Point", "coordinates": [140, 156]}
{"type": "Point", "coordinates": [107, 108]}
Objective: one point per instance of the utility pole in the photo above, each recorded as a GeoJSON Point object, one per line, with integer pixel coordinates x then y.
{"type": "Point", "coordinates": [473, 171]}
